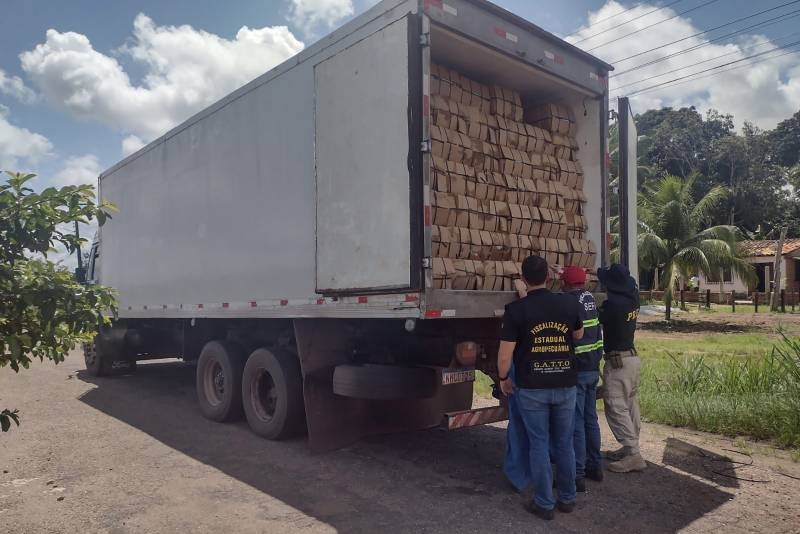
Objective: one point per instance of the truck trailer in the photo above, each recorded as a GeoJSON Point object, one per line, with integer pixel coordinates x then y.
{"type": "Point", "coordinates": [333, 243]}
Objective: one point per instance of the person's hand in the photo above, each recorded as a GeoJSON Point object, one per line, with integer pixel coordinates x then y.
{"type": "Point", "coordinates": [521, 288]}
{"type": "Point", "coordinates": [507, 387]}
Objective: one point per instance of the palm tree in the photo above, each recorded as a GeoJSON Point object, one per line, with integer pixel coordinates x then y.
{"type": "Point", "coordinates": [671, 237]}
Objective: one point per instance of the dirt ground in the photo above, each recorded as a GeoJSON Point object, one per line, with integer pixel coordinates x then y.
{"type": "Point", "coordinates": [133, 454]}
{"type": "Point", "coordinates": [720, 322]}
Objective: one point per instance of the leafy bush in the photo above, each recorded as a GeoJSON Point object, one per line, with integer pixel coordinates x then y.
{"type": "Point", "coordinates": [44, 312]}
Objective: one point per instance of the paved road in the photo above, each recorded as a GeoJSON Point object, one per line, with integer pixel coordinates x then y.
{"type": "Point", "coordinates": [132, 454]}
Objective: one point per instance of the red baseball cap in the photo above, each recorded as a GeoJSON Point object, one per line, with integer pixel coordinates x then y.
{"type": "Point", "coordinates": [573, 276]}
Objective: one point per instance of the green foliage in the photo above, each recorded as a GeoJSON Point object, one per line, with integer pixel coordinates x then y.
{"type": "Point", "coordinates": [44, 312]}
{"type": "Point", "coordinates": [757, 395]}
{"type": "Point", "coordinates": [754, 165]}
{"type": "Point", "coordinates": [671, 237]}
{"type": "Point", "coordinates": [785, 141]}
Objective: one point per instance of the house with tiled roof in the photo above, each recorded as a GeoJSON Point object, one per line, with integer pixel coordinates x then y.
{"type": "Point", "coordinates": [762, 255]}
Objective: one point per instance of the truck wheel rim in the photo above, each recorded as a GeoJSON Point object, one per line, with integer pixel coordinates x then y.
{"type": "Point", "coordinates": [263, 395]}
{"type": "Point", "coordinates": [214, 384]}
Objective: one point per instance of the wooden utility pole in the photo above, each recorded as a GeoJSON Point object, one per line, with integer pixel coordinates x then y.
{"type": "Point", "coordinates": [776, 286]}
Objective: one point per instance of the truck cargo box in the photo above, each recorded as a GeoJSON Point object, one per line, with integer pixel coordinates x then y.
{"type": "Point", "coordinates": [311, 191]}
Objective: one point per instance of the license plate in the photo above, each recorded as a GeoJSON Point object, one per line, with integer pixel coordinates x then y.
{"type": "Point", "coordinates": [457, 376]}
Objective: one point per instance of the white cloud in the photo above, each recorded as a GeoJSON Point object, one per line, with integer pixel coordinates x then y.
{"type": "Point", "coordinates": [763, 93]}
{"type": "Point", "coordinates": [131, 144]}
{"type": "Point", "coordinates": [316, 16]}
{"type": "Point", "coordinates": [13, 86]}
{"type": "Point", "coordinates": [185, 70]}
{"type": "Point", "coordinates": [19, 147]}
{"type": "Point", "coordinates": [78, 170]}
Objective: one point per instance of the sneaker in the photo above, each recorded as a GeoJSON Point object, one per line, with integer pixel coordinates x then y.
{"type": "Point", "coordinates": [580, 485]}
{"type": "Point", "coordinates": [634, 462]}
{"type": "Point", "coordinates": [595, 474]}
{"type": "Point", "coordinates": [616, 455]}
{"type": "Point", "coordinates": [541, 513]}
{"type": "Point", "coordinates": [565, 507]}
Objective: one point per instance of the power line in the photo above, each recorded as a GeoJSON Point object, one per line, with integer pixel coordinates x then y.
{"type": "Point", "coordinates": [626, 22]}
{"type": "Point", "coordinates": [668, 85]}
{"type": "Point", "coordinates": [715, 68]}
{"type": "Point", "coordinates": [709, 2]}
{"type": "Point", "coordinates": [737, 51]}
{"type": "Point", "coordinates": [768, 22]}
{"type": "Point", "coordinates": [711, 30]}
{"type": "Point", "coordinates": [692, 76]}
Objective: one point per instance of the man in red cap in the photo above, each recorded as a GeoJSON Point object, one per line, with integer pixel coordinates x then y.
{"type": "Point", "coordinates": [588, 353]}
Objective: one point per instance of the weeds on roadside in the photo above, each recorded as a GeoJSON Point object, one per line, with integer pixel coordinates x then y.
{"type": "Point", "coordinates": [759, 396]}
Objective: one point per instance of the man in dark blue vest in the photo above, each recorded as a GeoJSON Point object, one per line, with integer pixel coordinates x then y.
{"type": "Point", "coordinates": [588, 352]}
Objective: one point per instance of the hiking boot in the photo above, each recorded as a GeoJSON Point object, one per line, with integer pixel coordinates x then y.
{"type": "Point", "coordinates": [565, 507]}
{"type": "Point", "coordinates": [595, 474]}
{"type": "Point", "coordinates": [634, 462]}
{"type": "Point", "coordinates": [541, 513]}
{"type": "Point", "coordinates": [616, 455]}
{"type": "Point", "coordinates": [580, 485]}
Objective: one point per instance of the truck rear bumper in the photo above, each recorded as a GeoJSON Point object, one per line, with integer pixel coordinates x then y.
{"type": "Point", "coordinates": [475, 417]}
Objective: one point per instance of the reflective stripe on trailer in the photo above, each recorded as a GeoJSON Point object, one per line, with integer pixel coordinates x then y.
{"type": "Point", "coordinates": [398, 300]}
{"type": "Point", "coordinates": [506, 35]}
{"type": "Point", "coordinates": [555, 58]}
{"type": "Point", "coordinates": [478, 416]}
{"type": "Point", "coordinates": [438, 314]}
{"type": "Point", "coordinates": [440, 4]}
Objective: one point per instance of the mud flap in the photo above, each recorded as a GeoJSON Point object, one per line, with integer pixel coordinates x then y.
{"type": "Point", "coordinates": [334, 421]}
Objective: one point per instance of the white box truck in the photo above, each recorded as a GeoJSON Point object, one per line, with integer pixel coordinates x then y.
{"type": "Point", "coordinates": [281, 237]}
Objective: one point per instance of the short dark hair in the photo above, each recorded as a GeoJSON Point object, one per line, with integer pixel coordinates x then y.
{"type": "Point", "coordinates": [534, 270]}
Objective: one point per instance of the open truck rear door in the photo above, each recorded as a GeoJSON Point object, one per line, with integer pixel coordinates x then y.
{"type": "Point", "coordinates": [368, 163]}
{"type": "Point", "coordinates": [628, 186]}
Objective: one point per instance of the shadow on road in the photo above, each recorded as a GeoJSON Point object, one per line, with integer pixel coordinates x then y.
{"type": "Point", "coordinates": [422, 481]}
{"type": "Point", "coordinates": [701, 462]}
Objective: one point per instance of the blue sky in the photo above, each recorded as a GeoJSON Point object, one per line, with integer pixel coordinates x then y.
{"type": "Point", "coordinates": [75, 139]}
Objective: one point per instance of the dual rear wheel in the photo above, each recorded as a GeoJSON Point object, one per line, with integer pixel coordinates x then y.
{"type": "Point", "coordinates": [266, 386]}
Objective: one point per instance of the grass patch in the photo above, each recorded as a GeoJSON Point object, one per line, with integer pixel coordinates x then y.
{"type": "Point", "coordinates": [711, 345]}
{"type": "Point", "coordinates": [483, 385]}
{"type": "Point", "coordinates": [733, 384]}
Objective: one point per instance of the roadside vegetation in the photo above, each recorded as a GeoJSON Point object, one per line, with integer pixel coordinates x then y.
{"type": "Point", "coordinates": [732, 384]}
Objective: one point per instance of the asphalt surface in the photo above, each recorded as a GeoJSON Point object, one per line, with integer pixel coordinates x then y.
{"type": "Point", "coordinates": [133, 454]}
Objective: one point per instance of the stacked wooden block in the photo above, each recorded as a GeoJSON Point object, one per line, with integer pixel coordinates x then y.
{"type": "Point", "coordinates": [507, 183]}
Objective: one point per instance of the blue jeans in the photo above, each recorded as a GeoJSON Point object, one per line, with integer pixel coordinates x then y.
{"type": "Point", "coordinates": [587, 429]}
{"type": "Point", "coordinates": [517, 465]}
{"type": "Point", "coordinates": [543, 410]}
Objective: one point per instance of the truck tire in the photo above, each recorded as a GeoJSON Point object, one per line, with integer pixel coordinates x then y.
{"type": "Point", "coordinates": [272, 393]}
{"type": "Point", "coordinates": [102, 358]}
{"type": "Point", "coordinates": [219, 381]}
{"type": "Point", "coordinates": [384, 382]}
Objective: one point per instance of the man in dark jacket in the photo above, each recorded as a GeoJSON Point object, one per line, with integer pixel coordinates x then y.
{"type": "Point", "coordinates": [618, 315]}
{"type": "Point", "coordinates": [538, 338]}
{"type": "Point", "coordinates": [588, 352]}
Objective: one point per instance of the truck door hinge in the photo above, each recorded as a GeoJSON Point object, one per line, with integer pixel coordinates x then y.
{"type": "Point", "coordinates": [425, 146]}
{"type": "Point", "coordinates": [425, 39]}
{"type": "Point", "coordinates": [426, 263]}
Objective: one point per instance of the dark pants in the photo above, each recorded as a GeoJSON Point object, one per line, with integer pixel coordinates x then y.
{"type": "Point", "coordinates": [546, 411]}
{"type": "Point", "coordinates": [587, 429]}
